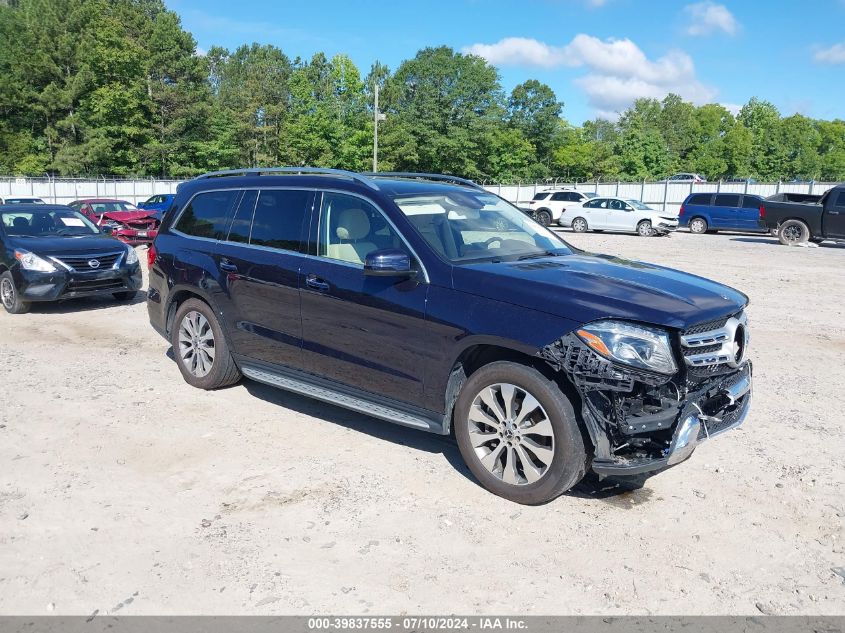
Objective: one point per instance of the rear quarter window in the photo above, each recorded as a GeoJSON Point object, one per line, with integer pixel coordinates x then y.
{"type": "Point", "coordinates": [726, 200]}
{"type": "Point", "coordinates": [207, 214]}
{"type": "Point", "coordinates": [700, 199]}
{"type": "Point", "coordinates": [751, 203]}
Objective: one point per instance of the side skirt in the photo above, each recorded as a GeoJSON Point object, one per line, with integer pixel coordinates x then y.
{"type": "Point", "coordinates": [344, 396]}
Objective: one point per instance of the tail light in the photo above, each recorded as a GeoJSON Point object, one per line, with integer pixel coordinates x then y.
{"type": "Point", "coordinates": [762, 211]}
{"type": "Point", "coordinates": [151, 256]}
{"type": "Point", "coordinates": [681, 211]}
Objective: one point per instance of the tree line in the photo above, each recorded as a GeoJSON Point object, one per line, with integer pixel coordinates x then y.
{"type": "Point", "coordinates": [116, 87]}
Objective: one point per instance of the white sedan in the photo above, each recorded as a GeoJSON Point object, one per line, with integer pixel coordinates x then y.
{"type": "Point", "coordinates": [618, 214]}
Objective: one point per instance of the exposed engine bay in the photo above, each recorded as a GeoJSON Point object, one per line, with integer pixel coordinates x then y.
{"type": "Point", "coordinates": [642, 421]}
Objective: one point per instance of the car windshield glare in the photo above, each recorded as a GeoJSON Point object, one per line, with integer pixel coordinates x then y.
{"type": "Point", "coordinates": [638, 205]}
{"type": "Point", "coordinates": [46, 223]}
{"type": "Point", "coordinates": [465, 226]}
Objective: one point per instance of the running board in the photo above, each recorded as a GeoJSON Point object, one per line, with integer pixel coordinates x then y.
{"type": "Point", "coordinates": [321, 389]}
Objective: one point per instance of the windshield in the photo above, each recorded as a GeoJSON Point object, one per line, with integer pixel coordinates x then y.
{"type": "Point", "coordinates": [465, 226]}
{"type": "Point", "coordinates": [24, 201]}
{"type": "Point", "coordinates": [46, 223]}
{"type": "Point", "coordinates": [108, 207]}
{"type": "Point", "coordinates": [639, 205]}
{"type": "Point", "coordinates": [590, 194]}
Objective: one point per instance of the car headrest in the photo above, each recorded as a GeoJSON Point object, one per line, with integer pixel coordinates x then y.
{"type": "Point", "coordinates": [352, 224]}
{"type": "Point", "coordinates": [20, 223]}
{"type": "Point", "coordinates": [464, 214]}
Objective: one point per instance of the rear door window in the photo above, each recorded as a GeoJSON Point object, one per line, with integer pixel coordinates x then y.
{"type": "Point", "coordinates": [560, 196]}
{"type": "Point", "coordinates": [840, 200]}
{"type": "Point", "coordinates": [207, 214]}
{"type": "Point", "coordinates": [279, 218]}
{"type": "Point", "coordinates": [726, 200]}
{"type": "Point", "coordinates": [242, 222]}
{"type": "Point", "coordinates": [700, 199]}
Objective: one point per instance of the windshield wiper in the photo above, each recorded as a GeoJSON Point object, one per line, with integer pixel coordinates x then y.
{"type": "Point", "coordinates": [538, 255]}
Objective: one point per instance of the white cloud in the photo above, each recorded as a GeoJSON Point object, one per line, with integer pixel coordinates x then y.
{"type": "Point", "coordinates": [733, 108]}
{"type": "Point", "coordinates": [596, 3]}
{"type": "Point", "coordinates": [519, 51]}
{"type": "Point", "coordinates": [832, 55]}
{"type": "Point", "coordinates": [709, 17]}
{"type": "Point", "coordinates": [619, 71]}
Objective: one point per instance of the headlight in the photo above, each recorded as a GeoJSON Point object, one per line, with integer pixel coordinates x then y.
{"type": "Point", "coordinates": [31, 261]}
{"type": "Point", "coordinates": [634, 345]}
{"type": "Point", "coordinates": [131, 255]}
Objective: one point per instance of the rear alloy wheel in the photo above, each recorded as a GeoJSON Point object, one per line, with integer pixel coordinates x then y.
{"type": "Point", "coordinates": [698, 225]}
{"type": "Point", "coordinates": [517, 433]}
{"type": "Point", "coordinates": [579, 225]}
{"type": "Point", "coordinates": [793, 232]}
{"type": "Point", "coordinates": [644, 229]}
{"type": "Point", "coordinates": [544, 217]}
{"type": "Point", "coordinates": [200, 348]}
{"type": "Point", "coordinates": [9, 296]}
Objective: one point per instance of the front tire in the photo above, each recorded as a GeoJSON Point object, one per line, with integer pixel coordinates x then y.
{"type": "Point", "coordinates": [644, 229]}
{"type": "Point", "coordinates": [518, 434]}
{"type": "Point", "coordinates": [10, 297]}
{"type": "Point", "coordinates": [793, 233]}
{"type": "Point", "coordinates": [579, 225]}
{"type": "Point", "coordinates": [200, 348]}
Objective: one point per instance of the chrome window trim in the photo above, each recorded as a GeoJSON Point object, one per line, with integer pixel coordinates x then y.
{"type": "Point", "coordinates": [378, 208]}
{"type": "Point", "coordinates": [316, 190]}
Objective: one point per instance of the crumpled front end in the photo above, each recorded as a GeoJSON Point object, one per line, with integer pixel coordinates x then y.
{"type": "Point", "coordinates": [641, 421]}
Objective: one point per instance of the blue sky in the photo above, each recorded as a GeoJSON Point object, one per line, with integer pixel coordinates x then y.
{"type": "Point", "coordinates": [597, 55]}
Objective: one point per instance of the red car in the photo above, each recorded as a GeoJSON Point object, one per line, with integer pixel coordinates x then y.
{"type": "Point", "coordinates": [128, 223]}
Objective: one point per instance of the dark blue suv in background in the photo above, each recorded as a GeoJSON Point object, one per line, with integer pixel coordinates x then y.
{"type": "Point", "coordinates": [703, 212]}
{"type": "Point", "coordinates": [427, 301]}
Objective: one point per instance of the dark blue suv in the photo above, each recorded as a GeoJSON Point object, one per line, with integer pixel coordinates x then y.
{"type": "Point", "coordinates": [427, 301]}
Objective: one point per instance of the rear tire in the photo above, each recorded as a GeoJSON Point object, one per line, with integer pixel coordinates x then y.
{"type": "Point", "coordinates": [544, 217]}
{"type": "Point", "coordinates": [542, 444]}
{"type": "Point", "coordinates": [793, 232]}
{"type": "Point", "coordinates": [698, 225]}
{"type": "Point", "coordinates": [579, 225]}
{"type": "Point", "coordinates": [200, 348]}
{"type": "Point", "coordinates": [9, 296]}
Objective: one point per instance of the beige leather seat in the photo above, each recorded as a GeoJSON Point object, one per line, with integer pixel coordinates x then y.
{"type": "Point", "coordinates": [353, 227]}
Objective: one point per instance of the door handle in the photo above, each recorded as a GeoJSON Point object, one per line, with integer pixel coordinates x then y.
{"type": "Point", "coordinates": [315, 283]}
{"type": "Point", "coordinates": [227, 266]}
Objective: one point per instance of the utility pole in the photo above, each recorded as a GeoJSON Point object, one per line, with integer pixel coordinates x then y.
{"type": "Point", "coordinates": [377, 116]}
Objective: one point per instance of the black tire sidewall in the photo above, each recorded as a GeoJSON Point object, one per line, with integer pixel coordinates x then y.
{"type": "Point", "coordinates": [215, 377]}
{"type": "Point", "coordinates": [544, 218]}
{"type": "Point", "coordinates": [569, 462]}
{"type": "Point", "coordinates": [805, 232]}
{"type": "Point", "coordinates": [692, 222]}
{"type": "Point", "coordinates": [18, 306]}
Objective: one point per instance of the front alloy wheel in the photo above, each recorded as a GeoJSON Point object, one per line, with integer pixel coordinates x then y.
{"type": "Point", "coordinates": [644, 229]}
{"type": "Point", "coordinates": [518, 434]}
{"type": "Point", "coordinates": [9, 295]}
{"type": "Point", "coordinates": [511, 434]}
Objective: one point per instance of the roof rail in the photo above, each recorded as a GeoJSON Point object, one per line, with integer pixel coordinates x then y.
{"type": "Point", "coordinates": [422, 176]}
{"type": "Point", "coordinates": [316, 171]}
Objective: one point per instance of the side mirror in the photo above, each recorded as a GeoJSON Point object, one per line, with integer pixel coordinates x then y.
{"type": "Point", "coordinates": [106, 230]}
{"type": "Point", "coordinates": [388, 263]}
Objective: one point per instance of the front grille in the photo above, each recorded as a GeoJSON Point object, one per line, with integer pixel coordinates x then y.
{"type": "Point", "coordinates": [710, 347]}
{"type": "Point", "coordinates": [82, 263]}
{"type": "Point", "coordinates": [91, 285]}
{"type": "Point", "coordinates": [706, 327]}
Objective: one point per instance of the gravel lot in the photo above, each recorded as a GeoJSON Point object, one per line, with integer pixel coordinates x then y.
{"type": "Point", "coordinates": [124, 490]}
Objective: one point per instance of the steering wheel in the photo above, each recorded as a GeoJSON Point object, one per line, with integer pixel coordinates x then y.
{"type": "Point", "coordinates": [493, 239]}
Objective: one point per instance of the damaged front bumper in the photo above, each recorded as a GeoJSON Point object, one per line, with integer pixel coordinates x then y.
{"type": "Point", "coordinates": [642, 422]}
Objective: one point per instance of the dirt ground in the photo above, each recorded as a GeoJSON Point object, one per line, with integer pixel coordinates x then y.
{"type": "Point", "coordinates": [124, 490]}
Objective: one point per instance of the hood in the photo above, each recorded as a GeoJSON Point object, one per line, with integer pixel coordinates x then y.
{"type": "Point", "coordinates": [585, 287]}
{"type": "Point", "coordinates": [66, 244]}
{"type": "Point", "coordinates": [126, 216]}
